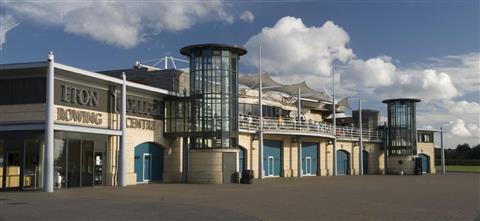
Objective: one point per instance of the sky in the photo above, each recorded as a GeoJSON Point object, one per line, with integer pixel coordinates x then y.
{"type": "Point", "coordinates": [378, 49]}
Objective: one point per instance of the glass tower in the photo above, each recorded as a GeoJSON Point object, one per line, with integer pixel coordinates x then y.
{"type": "Point", "coordinates": [401, 132]}
{"type": "Point", "coordinates": [213, 94]}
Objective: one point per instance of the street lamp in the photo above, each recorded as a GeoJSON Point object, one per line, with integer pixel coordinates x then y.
{"type": "Point", "coordinates": [260, 117]}
{"type": "Point", "coordinates": [334, 109]}
{"type": "Point", "coordinates": [442, 149]}
{"type": "Point", "coordinates": [360, 137]}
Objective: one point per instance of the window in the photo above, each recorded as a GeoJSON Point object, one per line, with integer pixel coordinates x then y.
{"type": "Point", "coordinates": [425, 137]}
{"type": "Point", "coordinates": [23, 91]}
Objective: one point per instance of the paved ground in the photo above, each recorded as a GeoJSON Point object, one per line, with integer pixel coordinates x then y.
{"type": "Point", "coordinates": [455, 196]}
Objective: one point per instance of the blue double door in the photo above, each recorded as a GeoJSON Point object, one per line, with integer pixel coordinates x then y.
{"type": "Point", "coordinates": [272, 158]}
{"type": "Point", "coordinates": [309, 158]}
{"type": "Point", "coordinates": [425, 163]}
{"type": "Point", "coordinates": [149, 162]}
{"type": "Point", "coordinates": [343, 162]}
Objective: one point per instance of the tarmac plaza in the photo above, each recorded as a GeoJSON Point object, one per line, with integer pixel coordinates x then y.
{"type": "Point", "coordinates": [455, 196]}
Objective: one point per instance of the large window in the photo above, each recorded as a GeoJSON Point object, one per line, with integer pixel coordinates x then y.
{"type": "Point", "coordinates": [22, 91]}
{"type": "Point", "coordinates": [268, 111]}
{"type": "Point", "coordinates": [21, 160]}
{"type": "Point", "coordinates": [79, 159]}
{"type": "Point", "coordinates": [177, 115]}
{"type": "Point", "coordinates": [424, 137]}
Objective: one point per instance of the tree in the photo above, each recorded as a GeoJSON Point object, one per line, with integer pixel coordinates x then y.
{"type": "Point", "coordinates": [474, 153]}
{"type": "Point", "coordinates": [463, 148]}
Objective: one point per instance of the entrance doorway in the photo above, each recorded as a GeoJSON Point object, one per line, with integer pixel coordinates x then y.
{"type": "Point", "coordinates": [147, 165]}
{"type": "Point", "coordinates": [308, 166]}
{"type": "Point", "coordinates": [365, 162]}
{"type": "Point", "coordinates": [309, 158]}
{"type": "Point", "coordinates": [79, 159]}
{"type": "Point", "coordinates": [272, 158]}
{"type": "Point", "coordinates": [148, 162]}
{"type": "Point", "coordinates": [343, 162]}
{"type": "Point", "coordinates": [271, 166]}
{"type": "Point", "coordinates": [20, 160]}
{"type": "Point", "coordinates": [425, 163]}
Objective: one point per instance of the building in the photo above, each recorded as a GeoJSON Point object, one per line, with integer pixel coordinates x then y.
{"type": "Point", "coordinates": [64, 127]}
{"type": "Point", "coordinates": [370, 118]}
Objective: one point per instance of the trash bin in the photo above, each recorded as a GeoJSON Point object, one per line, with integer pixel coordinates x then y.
{"type": "Point", "coordinates": [247, 177]}
{"type": "Point", "coordinates": [236, 177]}
{"type": "Point", "coordinates": [418, 166]}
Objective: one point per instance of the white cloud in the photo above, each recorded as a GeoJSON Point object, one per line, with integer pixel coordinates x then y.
{"type": "Point", "coordinates": [372, 72]}
{"type": "Point", "coordinates": [461, 129]}
{"type": "Point", "coordinates": [290, 47]}
{"type": "Point", "coordinates": [449, 86]}
{"type": "Point", "coordinates": [7, 23]}
{"type": "Point", "coordinates": [294, 52]}
{"type": "Point", "coordinates": [463, 107]}
{"type": "Point", "coordinates": [464, 70]}
{"type": "Point", "coordinates": [247, 16]}
{"type": "Point", "coordinates": [427, 85]}
{"type": "Point", "coordinates": [123, 23]}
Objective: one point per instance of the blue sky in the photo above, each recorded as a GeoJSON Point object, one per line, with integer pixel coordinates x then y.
{"type": "Point", "coordinates": [409, 32]}
{"type": "Point", "coordinates": [429, 49]}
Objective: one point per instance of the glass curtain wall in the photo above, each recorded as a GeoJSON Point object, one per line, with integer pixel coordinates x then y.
{"type": "Point", "coordinates": [177, 116]}
{"type": "Point", "coordinates": [402, 127]}
{"type": "Point", "coordinates": [21, 160]}
{"type": "Point", "coordinates": [268, 111]}
{"type": "Point", "coordinates": [214, 93]}
{"type": "Point", "coordinates": [79, 159]}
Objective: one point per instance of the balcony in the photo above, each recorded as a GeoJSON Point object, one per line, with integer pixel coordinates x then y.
{"type": "Point", "coordinates": [290, 126]}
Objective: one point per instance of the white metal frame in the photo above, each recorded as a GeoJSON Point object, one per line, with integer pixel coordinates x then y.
{"type": "Point", "coordinates": [143, 167]}
{"type": "Point", "coordinates": [308, 166]}
{"type": "Point", "coordinates": [272, 169]}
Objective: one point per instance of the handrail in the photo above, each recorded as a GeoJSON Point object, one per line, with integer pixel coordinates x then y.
{"type": "Point", "coordinates": [251, 123]}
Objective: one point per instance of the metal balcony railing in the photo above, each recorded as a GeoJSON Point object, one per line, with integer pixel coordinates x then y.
{"type": "Point", "coordinates": [290, 125]}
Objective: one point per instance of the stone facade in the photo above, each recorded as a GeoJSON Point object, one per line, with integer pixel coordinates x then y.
{"type": "Point", "coordinates": [249, 142]}
{"type": "Point", "coordinates": [429, 150]}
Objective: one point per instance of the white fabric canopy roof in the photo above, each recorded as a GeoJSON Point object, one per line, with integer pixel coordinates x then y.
{"type": "Point", "coordinates": [269, 84]}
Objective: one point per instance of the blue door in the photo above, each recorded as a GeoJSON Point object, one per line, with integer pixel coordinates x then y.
{"type": "Point", "coordinates": [309, 158]}
{"type": "Point", "coordinates": [365, 162]}
{"type": "Point", "coordinates": [148, 164]}
{"type": "Point", "coordinates": [241, 160]}
{"type": "Point", "coordinates": [272, 157]}
{"type": "Point", "coordinates": [425, 163]}
{"type": "Point", "coordinates": [343, 162]}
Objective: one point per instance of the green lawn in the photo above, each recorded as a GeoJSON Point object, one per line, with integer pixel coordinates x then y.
{"type": "Point", "coordinates": [454, 168]}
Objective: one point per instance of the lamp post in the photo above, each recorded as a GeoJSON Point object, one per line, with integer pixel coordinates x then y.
{"type": "Point", "coordinates": [260, 118]}
{"type": "Point", "coordinates": [442, 149]}
{"type": "Point", "coordinates": [360, 137]}
{"type": "Point", "coordinates": [334, 125]}
{"type": "Point", "coordinates": [299, 110]}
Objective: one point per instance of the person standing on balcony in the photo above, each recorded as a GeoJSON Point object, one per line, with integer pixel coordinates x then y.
{"type": "Point", "coordinates": [280, 121]}
{"type": "Point", "coordinates": [250, 120]}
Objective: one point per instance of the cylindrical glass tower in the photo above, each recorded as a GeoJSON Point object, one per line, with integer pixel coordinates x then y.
{"type": "Point", "coordinates": [214, 94]}
{"type": "Point", "coordinates": [402, 131]}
